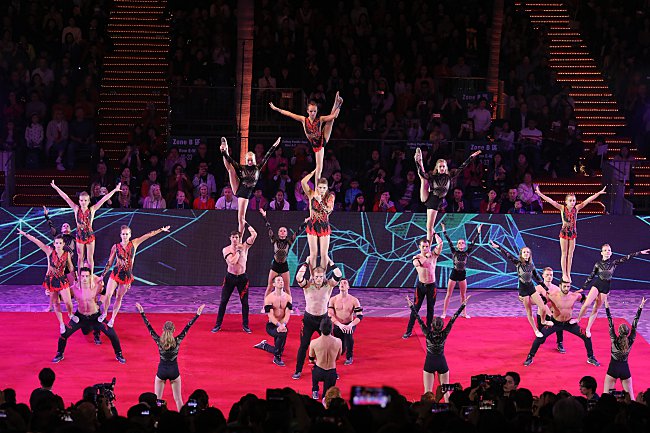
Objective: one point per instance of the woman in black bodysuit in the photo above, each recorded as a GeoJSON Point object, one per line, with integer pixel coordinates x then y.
{"type": "Point", "coordinates": [168, 346]}
{"type": "Point", "coordinates": [458, 274]}
{"type": "Point", "coordinates": [281, 244]}
{"type": "Point", "coordinates": [621, 346]}
{"type": "Point", "coordinates": [435, 185]}
{"type": "Point", "coordinates": [528, 291]}
{"type": "Point", "coordinates": [436, 337]}
{"type": "Point", "coordinates": [243, 178]}
{"type": "Point", "coordinates": [602, 279]}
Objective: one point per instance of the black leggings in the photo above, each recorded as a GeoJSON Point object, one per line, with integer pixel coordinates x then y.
{"type": "Point", "coordinates": [279, 340]}
{"type": "Point", "coordinates": [88, 322]}
{"type": "Point", "coordinates": [230, 282]}
{"type": "Point", "coordinates": [310, 324]}
{"type": "Point", "coordinates": [328, 377]}
{"type": "Point", "coordinates": [346, 339]}
{"type": "Point", "coordinates": [558, 326]}
{"type": "Point", "coordinates": [422, 291]}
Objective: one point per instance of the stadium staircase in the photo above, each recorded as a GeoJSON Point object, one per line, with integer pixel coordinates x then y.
{"type": "Point", "coordinates": [595, 106]}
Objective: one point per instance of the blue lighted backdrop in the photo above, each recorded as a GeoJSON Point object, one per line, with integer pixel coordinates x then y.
{"type": "Point", "coordinates": [374, 249]}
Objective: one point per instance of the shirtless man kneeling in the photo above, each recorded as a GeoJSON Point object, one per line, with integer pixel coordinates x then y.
{"type": "Point", "coordinates": [346, 313]}
{"type": "Point", "coordinates": [317, 295]}
{"type": "Point", "coordinates": [277, 305]}
{"type": "Point", "coordinates": [87, 311]}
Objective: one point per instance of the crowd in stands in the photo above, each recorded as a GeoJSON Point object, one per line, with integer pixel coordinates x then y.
{"type": "Point", "coordinates": [498, 404]}
{"type": "Point", "coordinates": [50, 68]}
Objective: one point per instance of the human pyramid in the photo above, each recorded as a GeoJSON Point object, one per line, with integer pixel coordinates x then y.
{"type": "Point", "coordinates": [337, 317]}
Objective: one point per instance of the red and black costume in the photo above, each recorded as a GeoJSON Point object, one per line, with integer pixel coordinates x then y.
{"type": "Point", "coordinates": [123, 270]}
{"type": "Point", "coordinates": [569, 217]}
{"type": "Point", "coordinates": [85, 234]}
{"type": "Point", "coordinates": [318, 224]}
{"type": "Point", "coordinates": [55, 279]}
{"type": "Point", "coordinates": [314, 133]}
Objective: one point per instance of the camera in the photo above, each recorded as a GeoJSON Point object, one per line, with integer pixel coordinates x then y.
{"type": "Point", "coordinates": [161, 403]}
{"type": "Point", "coordinates": [439, 407]}
{"type": "Point", "coordinates": [105, 391]}
{"type": "Point", "coordinates": [369, 396]}
{"type": "Point", "coordinates": [193, 406]}
{"type": "Point", "coordinates": [617, 394]}
{"type": "Point", "coordinates": [65, 416]}
{"type": "Point", "coordinates": [488, 379]}
{"type": "Point", "coordinates": [486, 405]}
{"type": "Point", "coordinates": [447, 387]}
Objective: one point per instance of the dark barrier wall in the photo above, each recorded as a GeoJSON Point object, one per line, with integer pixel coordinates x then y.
{"type": "Point", "coordinates": [375, 250]}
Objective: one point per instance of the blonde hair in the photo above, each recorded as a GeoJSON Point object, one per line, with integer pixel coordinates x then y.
{"type": "Point", "coordinates": [124, 227]}
{"type": "Point", "coordinates": [167, 340]}
{"type": "Point", "coordinates": [84, 194]}
{"type": "Point", "coordinates": [92, 189]}
{"type": "Point", "coordinates": [435, 168]}
{"type": "Point", "coordinates": [251, 155]}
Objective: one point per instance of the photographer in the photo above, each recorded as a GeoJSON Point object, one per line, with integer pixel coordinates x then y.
{"type": "Point", "coordinates": [281, 180]}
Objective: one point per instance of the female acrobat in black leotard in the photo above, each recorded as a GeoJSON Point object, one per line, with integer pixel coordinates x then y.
{"type": "Point", "coordinates": [168, 347]}
{"type": "Point", "coordinates": [243, 177]}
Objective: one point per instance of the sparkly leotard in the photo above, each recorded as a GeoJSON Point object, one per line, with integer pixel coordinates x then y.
{"type": "Point", "coordinates": [604, 271]}
{"type": "Point", "coordinates": [526, 274]}
{"type": "Point", "coordinates": [248, 174]}
{"type": "Point", "coordinates": [123, 270]}
{"type": "Point", "coordinates": [55, 279]}
{"type": "Point", "coordinates": [460, 257]}
{"type": "Point", "coordinates": [569, 217]}
{"type": "Point", "coordinates": [439, 184]}
{"type": "Point", "coordinates": [85, 234]}
{"type": "Point", "coordinates": [314, 132]}
{"type": "Point", "coordinates": [281, 248]}
{"type": "Point", "coordinates": [318, 224]}
{"type": "Point", "coordinates": [618, 363]}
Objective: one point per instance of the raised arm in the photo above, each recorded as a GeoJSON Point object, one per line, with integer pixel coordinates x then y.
{"type": "Point", "coordinates": [635, 322]}
{"type": "Point", "coordinates": [590, 278]}
{"type": "Point", "coordinates": [505, 253]}
{"type": "Point", "coordinates": [38, 243]}
{"type": "Point", "coordinates": [423, 326]}
{"type": "Point", "coordinates": [629, 256]}
{"type": "Point", "coordinates": [460, 169]}
{"type": "Point", "coordinates": [268, 225]}
{"type": "Point", "coordinates": [111, 259]}
{"type": "Point", "coordinates": [251, 239]}
{"type": "Point", "coordinates": [471, 245]}
{"type": "Point", "coordinates": [183, 333]}
{"type": "Point", "coordinates": [444, 233]}
{"type": "Point", "coordinates": [106, 198]}
{"type": "Point", "coordinates": [589, 199]}
{"type": "Point", "coordinates": [455, 316]}
{"type": "Point", "coordinates": [300, 275]}
{"type": "Point", "coordinates": [305, 184]}
{"type": "Point", "coordinates": [297, 117]}
{"type": "Point", "coordinates": [53, 230]}
{"type": "Point", "coordinates": [438, 248]}
{"type": "Point", "coordinates": [63, 195]}
{"type": "Point", "coordinates": [549, 200]}
{"type": "Point", "coordinates": [144, 237]}
{"type": "Point", "coordinates": [146, 323]}
{"type": "Point", "coordinates": [269, 153]}
{"type": "Point", "coordinates": [612, 333]}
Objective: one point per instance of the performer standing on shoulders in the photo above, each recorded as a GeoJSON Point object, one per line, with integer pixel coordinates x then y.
{"type": "Point", "coordinates": [602, 280]}
{"type": "Point", "coordinates": [526, 274]}
{"type": "Point", "coordinates": [436, 337]}
{"type": "Point", "coordinates": [621, 346]}
{"type": "Point", "coordinates": [346, 313]}
{"type": "Point", "coordinates": [317, 129]}
{"type": "Point", "coordinates": [84, 215]}
{"type": "Point", "coordinates": [568, 233]}
{"type": "Point", "coordinates": [243, 178]}
{"type": "Point", "coordinates": [123, 254]}
{"type": "Point", "coordinates": [55, 282]}
{"type": "Point", "coordinates": [317, 295]}
{"type": "Point", "coordinates": [425, 265]}
{"type": "Point", "coordinates": [85, 292]}
{"type": "Point", "coordinates": [458, 274]}
{"type": "Point", "coordinates": [435, 185]}
{"type": "Point", "coordinates": [236, 256]}
{"type": "Point", "coordinates": [278, 306]}
{"type": "Point", "coordinates": [321, 205]}
{"type": "Point", "coordinates": [563, 301]}
{"type": "Point", "coordinates": [324, 351]}
{"type": "Point", "coordinates": [68, 239]}
{"type": "Point", "coordinates": [281, 244]}
{"type": "Point", "coordinates": [168, 347]}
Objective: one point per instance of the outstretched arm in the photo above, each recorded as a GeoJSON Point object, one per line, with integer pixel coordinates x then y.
{"type": "Point", "coordinates": [629, 256]}
{"type": "Point", "coordinates": [539, 279]}
{"type": "Point", "coordinates": [612, 333]}
{"type": "Point", "coordinates": [471, 245]}
{"type": "Point", "coordinates": [456, 314]}
{"type": "Point", "coordinates": [635, 322]}
{"type": "Point", "coordinates": [109, 262]}
{"type": "Point", "coordinates": [268, 225]}
{"type": "Point", "coordinates": [549, 200]}
{"type": "Point", "coordinates": [295, 234]}
{"type": "Point", "coordinates": [146, 322]}
{"type": "Point", "coordinates": [460, 169]}
{"type": "Point", "coordinates": [590, 277]}
{"type": "Point", "coordinates": [106, 198]}
{"type": "Point", "coordinates": [444, 233]}
{"type": "Point", "coordinates": [183, 333]}
{"type": "Point", "coordinates": [505, 253]}
{"type": "Point", "coordinates": [269, 153]}
{"type": "Point", "coordinates": [287, 113]}
{"type": "Point", "coordinates": [63, 195]}
{"type": "Point", "coordinates": [423, 325]}
{"type": "Point", "coordinates": [53, 230]}
{"type": "Point", "coordinates": [38, 243]}
{"type": "Point", "coordinates": [589, 199]}
{"type": "Point", "coordinates": [144, 237]}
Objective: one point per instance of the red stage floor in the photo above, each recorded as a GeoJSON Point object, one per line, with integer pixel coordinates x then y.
{"type": "Point", "coordinates": [227, 366]}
